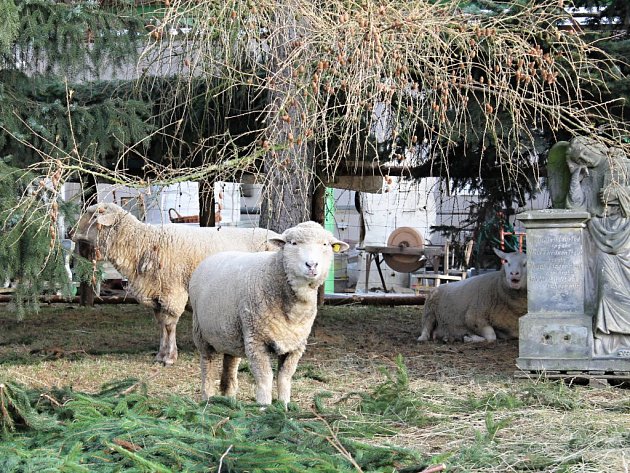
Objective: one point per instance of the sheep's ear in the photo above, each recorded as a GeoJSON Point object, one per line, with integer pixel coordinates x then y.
{"type": "Point", "coordinates": [500, 253]}
{"type": "Point", "coordinates": [338, 246]}
{"type": "Point", "coordinates": [278, 241]}
{"type": "Point", "coordinates": [107, 220]}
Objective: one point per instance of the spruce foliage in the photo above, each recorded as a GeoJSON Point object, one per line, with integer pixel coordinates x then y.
{"type": "Point", "coordinates": [48, 115]}
{"type": "Point", "coordinates": [9, 25]}
{"type": "Point", "coordinates": [119, 430]}
{"type": "Point", "coordinates": [52, 106]}
{"type": "Point", "coordinates": [394, 400]}
{"type": "Point", "coordinates": [71, 38]}
{"type": "Point", "coordinates": [51, 101]}
{"type": "Point", "coordinates": [30, 251]}
{"type": "Point", "coordinates": [16, 411]}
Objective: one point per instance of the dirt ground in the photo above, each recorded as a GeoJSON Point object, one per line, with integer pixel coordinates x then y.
{"type": "Point", "coordinates": [385, 332]}
{"type": "Point", "coordinates": [63, 343]}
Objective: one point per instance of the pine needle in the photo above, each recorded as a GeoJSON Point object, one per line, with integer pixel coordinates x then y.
{"type": "Point", "coordinates": [113, 431]}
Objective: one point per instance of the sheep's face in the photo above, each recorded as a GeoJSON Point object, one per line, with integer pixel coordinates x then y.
{"type": "Point", "coordinates": [91, 222]}
{"type": "Point", "coordinates": [308, 249]}
{"type": "Point", "coordinates": [515, 268]}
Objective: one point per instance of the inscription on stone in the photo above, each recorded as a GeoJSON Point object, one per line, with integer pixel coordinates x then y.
{"type": "Point", "coordinates": [555, 271]}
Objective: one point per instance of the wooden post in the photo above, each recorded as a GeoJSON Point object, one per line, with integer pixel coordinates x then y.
{"type": "Point", "coordinates": [318, 202]}
{"type": "Point", "coordinates": [86, 290]}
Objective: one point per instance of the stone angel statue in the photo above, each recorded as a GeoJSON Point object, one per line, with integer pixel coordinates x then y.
{"type": "Point", "coordinates": [585, 174]}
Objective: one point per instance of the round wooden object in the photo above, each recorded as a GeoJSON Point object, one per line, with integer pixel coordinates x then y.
{"type": "Point", "coordinates": [405, 237]}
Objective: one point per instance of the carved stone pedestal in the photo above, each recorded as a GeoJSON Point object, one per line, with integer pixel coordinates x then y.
{"type": "Point", "coordinates": [556, 334]}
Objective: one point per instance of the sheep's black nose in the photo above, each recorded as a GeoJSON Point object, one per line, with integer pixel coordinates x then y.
{"type": "Point", "coordinates": [311, 264]}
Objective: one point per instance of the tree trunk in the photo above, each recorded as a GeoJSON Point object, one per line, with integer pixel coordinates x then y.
{"type": "Point", "coordinates": [290, 163]}
{"type": "Point", "coordinates": [318, 206]}
{"type": "Point", "coordinates": [287, 195]}
{"type": "Point", "coordinates": [206, 204]}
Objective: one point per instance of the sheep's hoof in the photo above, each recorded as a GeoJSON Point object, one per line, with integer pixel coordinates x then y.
{"type": "Point", "coordinates": [164, 361]}
{"type": "Point", "coordinates": [473, 339]}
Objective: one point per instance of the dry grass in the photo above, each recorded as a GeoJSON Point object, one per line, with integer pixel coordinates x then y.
{"type": "Point", "coordinates": [463, 406]}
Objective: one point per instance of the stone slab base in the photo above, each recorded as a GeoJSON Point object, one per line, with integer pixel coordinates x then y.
{"type": "Point", "coordinates": [607, 365]}
{"type": "Point", "coordinates": [594, 377]}
{"type": "Point", "coordinates": [551, 336]}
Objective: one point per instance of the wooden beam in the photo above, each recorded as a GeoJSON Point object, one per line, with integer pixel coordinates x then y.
{"type": "Point", "coordinates": [329, 299]}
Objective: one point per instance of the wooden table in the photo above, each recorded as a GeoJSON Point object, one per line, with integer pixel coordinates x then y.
{"type": "Point", "coordinates": [376, 253]}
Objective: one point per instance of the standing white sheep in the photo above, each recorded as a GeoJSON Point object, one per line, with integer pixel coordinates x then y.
{"type": "Point", "coordinates": [158, 260]}
{"type": "Point", "coordinates": [258, 305]}
{"type": "Point", "coordinates": [480, 308]}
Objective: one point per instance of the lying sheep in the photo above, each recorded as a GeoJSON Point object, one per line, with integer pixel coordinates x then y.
{"type": "Point", "coordinates": [258, 305]}
{"type": "Point", "coordinates": [480, 308]}
{"type": "Point", "coordinates": [158, 260]}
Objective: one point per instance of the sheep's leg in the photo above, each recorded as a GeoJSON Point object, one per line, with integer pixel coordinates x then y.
{"type": "Point", "coordinates": [487, 335]}
{"type": "Point", "coordinates": [229, 377]}
{"type": "Point", "coordinates": [167, 355]}
{"type": "Point", "coordinates": [210, 362]}
{"type": "Point", "coordinates": [260, 365]}
{"type": "Point", "coordinates": [429, 319]}
{"type": "Point", "coordinates": [287, 364]}
{"type": "Point", "coordinates": [167, 309]}
{"type": "Point", "coordinates": [160, 319]}
{"type": "Point", "coordinates": [425, 335]}
{"type": "Point", "coordinates": [171, 341]}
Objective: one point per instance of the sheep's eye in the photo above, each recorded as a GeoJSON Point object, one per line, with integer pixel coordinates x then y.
{"type": "Point", "coordinates": [326, 243]}
{"type": "Point", "coordinates": [294, 243]}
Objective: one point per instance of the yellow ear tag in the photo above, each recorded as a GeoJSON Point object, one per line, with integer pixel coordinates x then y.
{"type": "Point", "coordinates": [336, 247]}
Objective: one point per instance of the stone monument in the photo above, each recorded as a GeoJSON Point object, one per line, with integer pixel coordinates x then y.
{"type": "Point", "coordinates": [578, 318]}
